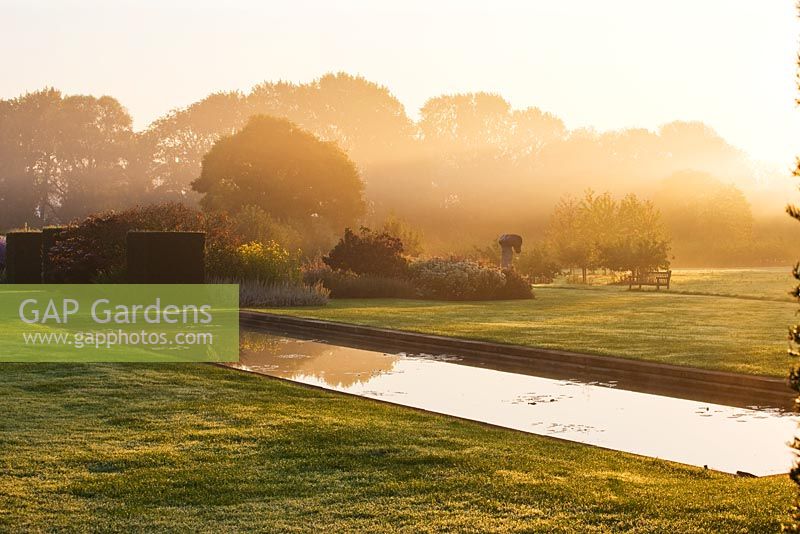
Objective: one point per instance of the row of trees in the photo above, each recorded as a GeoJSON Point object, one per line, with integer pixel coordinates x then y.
{"type": "Point", "coordinates": [470, 166]}
{"type": "Point", "coordinates": [62, 157]}
{"type": "Point", "coordinates": [598, 231]}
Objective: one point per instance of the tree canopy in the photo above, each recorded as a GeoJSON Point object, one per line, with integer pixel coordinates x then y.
{"type": "Point", "coordinates": [472, 166]}
{"type": "Point", "coordinates": [599, 231]}
{"type": "Point", "coordinates": [61, 157]}
{"type": "Point", "coordinates": [291, 174]}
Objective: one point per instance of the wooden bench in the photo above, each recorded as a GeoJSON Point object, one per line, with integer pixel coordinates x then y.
{"type": "Point", "coordinates": [652, 278]}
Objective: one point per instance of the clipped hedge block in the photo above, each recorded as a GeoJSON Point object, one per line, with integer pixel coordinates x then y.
{"type": "Point", "coordinates": [24, 257]}
{"type": "Point", "coordinates": [50, 235]}
{"type": "Point", "coordinates": [166, 257]}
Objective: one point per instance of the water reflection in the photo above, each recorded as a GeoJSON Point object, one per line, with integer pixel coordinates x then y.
{"type": "Point", "coordinates": [722, 437]}
{"type": "Point", "coordinates": [300, 360]}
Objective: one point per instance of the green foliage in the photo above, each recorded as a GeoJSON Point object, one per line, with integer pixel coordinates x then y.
{"type": "Point", "coordinates": [635, 255]}
{"type": "Point", "coordinates": [598, 231]}
{"type": "Point", "coordinates": [537, 262]}
{"type": "Point", "coordinates": [794, 378]}
{"type": "Point", "coordinates": [410, 236]}
{"type": "Point", "coordinates": [252, 223]}
{"type": "Point", "coordinates": [288, 172]}
{"type": "Point", "coordinates": [267, 263]}
{"type": "Point", "coordinates": [515, 286]}
{"type": "Point", "coordinates": [347, 284]}
{"type": "Point", "coordinates": [570, 236]}
{"type": "Point", "coordinates": [368, 252]}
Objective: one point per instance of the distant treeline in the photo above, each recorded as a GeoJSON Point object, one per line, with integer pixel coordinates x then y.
{"type": "Point", "coordinates": [471, 167]}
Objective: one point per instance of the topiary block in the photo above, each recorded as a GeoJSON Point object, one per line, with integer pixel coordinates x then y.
{"type": "Point", "coordinates": [166, 257]}
{"type": "Point", "coordinates": [50, 235]}
{"type": "Point", "coordinates": [24, 257]}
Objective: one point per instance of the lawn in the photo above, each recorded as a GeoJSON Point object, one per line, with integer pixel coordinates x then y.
{"type": "Point", "coordinates": [755, 283]}
{"type": "Point", "coordinates": [732, 320]}
{"type": "Point", "coordinates": [773, 284]}
{"type": "Point", "coordinates": [201, 448]}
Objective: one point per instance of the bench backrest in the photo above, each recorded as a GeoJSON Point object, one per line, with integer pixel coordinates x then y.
{"type": "Point", "coordinates": [653, 277]}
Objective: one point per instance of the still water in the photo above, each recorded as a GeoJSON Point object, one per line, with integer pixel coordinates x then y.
{"type": "Point", "coordinates": [725, 438]}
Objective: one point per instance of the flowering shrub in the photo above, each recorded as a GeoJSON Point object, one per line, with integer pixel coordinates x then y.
{"type": "Point", "coordinates": [461, 279]}
{"type": "Point", "coordinates": [453, 279]}
{"type": "Point", "coordinates": [267, 263]}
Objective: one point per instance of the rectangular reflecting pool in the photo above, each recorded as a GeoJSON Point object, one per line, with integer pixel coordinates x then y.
{"type": "Point", "coordinates": [731, 439]}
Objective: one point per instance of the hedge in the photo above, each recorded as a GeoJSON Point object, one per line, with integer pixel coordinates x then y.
{"type": "Point", "coordinates": [50, 236]}
{"type": "Point", "coordinates": [24, 257]}
{"type": "Point", "coordinates": [166, 257]}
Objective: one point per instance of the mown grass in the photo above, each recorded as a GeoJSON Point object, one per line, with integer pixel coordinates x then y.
{"type": "Point", "coordinates": [191, 448]}
{"type": "Point", "coordinates": [753, 283]}
{"type": "Point", "coordinates": [742, 332]}
{"type": "Point", "coordinates": [772, 284]}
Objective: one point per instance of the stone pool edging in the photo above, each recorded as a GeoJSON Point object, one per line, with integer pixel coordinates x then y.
{"type": "Point", "coordinates": [691, 381]}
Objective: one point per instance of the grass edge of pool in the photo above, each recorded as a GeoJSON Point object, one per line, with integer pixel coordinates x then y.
{"type": "Point", "coordinates": [697, 332]}
{"type": "Point", "coordinates": [200, 446]}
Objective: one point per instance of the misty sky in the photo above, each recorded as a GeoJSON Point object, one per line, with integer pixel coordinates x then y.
{"type": "Point", "coordinates": [610, 64]}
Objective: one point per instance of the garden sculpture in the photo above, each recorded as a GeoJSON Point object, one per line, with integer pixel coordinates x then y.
{"type": "Point", "coordinates": [509, 243]}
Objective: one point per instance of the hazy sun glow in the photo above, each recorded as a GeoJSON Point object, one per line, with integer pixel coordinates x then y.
{"type": "Point", "coordinates": [608, 65]}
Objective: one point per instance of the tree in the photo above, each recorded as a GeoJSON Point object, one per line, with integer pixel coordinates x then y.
{"type": "Point", "coordinates": [537, 263]}
{"type": "Point", "coordinates": [62, 157]}
{"type": "Point", "coordinates": [598, 231]}
{"type": "Point", "coordinates": [640, 243]}
{"type": "Point", "coordinates": [477, 165]}
{"type": "Point", "coordinates": [171, 150]}
{"type": "Point", "coordinates": [710, 221]}
{"type": "Point", "coordinates": [409, 235]}
{"type": "Point", "coordinates": [794, 374]}
{"type": "Point", "coordinates": [794, 379]}
{"type": "Point", "coordinates": [288, 172]}
{"type": "Point", "coordinates": [569, 235]}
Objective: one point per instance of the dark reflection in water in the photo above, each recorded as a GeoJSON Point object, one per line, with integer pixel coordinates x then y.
{"type": "Point", "coordinates": [698, 433]}
{"type": "Point", "coordinates": [288, 358]}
